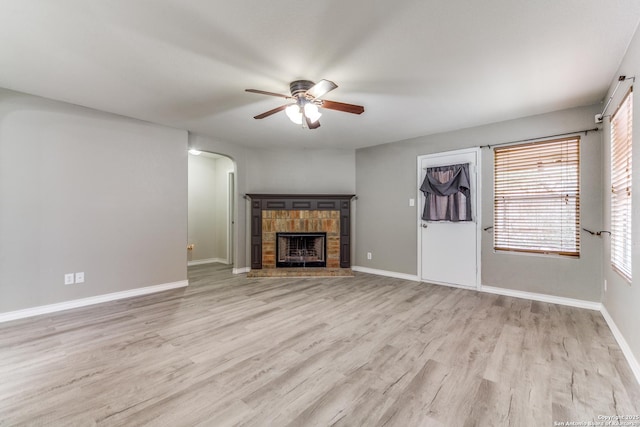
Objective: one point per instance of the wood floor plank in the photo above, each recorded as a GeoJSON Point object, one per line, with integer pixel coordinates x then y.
{"type": "Point", "coordinates": [360, 351]}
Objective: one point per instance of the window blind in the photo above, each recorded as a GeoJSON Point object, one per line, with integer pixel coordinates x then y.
{"type": "Point", "coordinates": [537, 197]}
{"type": "Point", "coordinates": [621, 187]}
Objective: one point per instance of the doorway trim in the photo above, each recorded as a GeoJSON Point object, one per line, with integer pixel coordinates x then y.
{"type": "Point", "coordinates": [478, 212]}
{"type": "Point", "coordinates": [231, 196]}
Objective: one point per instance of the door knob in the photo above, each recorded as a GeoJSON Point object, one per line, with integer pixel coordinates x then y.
{"type": "Point", "coordinates": [424, 225]}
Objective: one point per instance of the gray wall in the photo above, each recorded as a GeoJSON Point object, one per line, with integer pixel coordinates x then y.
{"type": "Point", "coordinates": [82, 190]}
{"type": "Point", "coordinates": [302, 171]}
{"type": "Point", "coordinates": [622, 300]}
{"type": "Point", "coordinates": [386, 178]}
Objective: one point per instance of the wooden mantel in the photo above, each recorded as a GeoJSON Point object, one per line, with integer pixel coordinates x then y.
{"type": "Point", "coordinates": [300, 202]}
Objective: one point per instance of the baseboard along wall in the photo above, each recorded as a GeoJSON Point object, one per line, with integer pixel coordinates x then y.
{"type": "Point", "coordinates": [83, 302]}
{"type": "Point", "coordinates": [624, 346]}
{"type": "Point", "coordinates": [207, 261]}
{"type": "Point", "coordinates": [385, 273]}
{"type": "Point", "coordinates": [571, 302]}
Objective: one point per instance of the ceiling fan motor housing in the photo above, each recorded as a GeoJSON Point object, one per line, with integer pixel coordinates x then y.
{"type": "Point", "coordinates": [299, 87]}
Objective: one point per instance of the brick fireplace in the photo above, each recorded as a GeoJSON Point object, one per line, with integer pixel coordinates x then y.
{"type": "Point", "coordinates": [274, 215]}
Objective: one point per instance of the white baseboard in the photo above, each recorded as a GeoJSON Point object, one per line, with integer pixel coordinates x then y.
{"type": "Point", "coordinates": [624, 346]}
{"type": "Point", "coordinates": [386, 273]}
{"type": "Point", "coordinates": [590, 305]}
{"type": "Point", "coordinates": [207, 261]}
{"type": "Point", "coordinates": [52, 308]}
{"type": "Point", "coordinates": [241, 270]}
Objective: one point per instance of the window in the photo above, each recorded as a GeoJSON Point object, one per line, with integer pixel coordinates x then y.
{"type": "Point", "coordinates": [537, 197]}
{"type": "Point", "coordinates": [621, 188]}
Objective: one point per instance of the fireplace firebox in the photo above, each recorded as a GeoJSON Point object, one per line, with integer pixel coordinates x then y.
{"type": "Point", "coordinates": [301, 249]}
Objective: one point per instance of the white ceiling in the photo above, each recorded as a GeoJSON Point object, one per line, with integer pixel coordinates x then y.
{"type": "Point", "coordinates": [417, 66]}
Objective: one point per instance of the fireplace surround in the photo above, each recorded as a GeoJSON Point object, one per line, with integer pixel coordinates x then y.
{"type": "Point", "coordinates": [328, 214]}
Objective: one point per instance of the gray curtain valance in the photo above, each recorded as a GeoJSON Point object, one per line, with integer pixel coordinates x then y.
{"type": "Point", "coordinates": [447, 191]}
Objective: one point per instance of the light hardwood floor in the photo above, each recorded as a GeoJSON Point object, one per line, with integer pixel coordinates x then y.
{"type": "Point", "coordinates": [363, 351]}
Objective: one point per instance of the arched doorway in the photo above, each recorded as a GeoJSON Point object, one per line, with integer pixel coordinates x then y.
{"type": "Point", "coordinates": [211, 201]}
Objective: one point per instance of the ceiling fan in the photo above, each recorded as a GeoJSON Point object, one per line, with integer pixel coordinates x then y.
{"type": "Point", "coordinates": [305, 101]}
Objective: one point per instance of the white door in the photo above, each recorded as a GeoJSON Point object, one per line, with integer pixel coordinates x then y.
{"type": "Point", "coordinates": [449, 251]}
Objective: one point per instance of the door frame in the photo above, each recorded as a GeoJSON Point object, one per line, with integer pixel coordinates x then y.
{"type": "Point", "coordinates": [478, 211]}
{"type": "Point", "coordinates": [231, 190]}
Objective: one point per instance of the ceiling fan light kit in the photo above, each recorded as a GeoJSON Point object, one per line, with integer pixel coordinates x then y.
{"type": "Point", "coordinates": [312, 112]}
{"type": "Point", "coordinates": [304, 110]}
{"type": "Point", "coordinates": [294, 113]}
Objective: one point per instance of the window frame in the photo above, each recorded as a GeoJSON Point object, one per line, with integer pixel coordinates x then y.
{"type": "Point", "coordinates": [624, 269]}
{"type": "Point", "coordinates": [503, 228]}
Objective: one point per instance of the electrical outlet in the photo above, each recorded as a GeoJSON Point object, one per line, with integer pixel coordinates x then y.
{"type": "Point", "coordinates": [369, 256]}
{"type": "Point", "coordinates": [80, 277]}
{"type": "Point", "coordinates": [68, 279]}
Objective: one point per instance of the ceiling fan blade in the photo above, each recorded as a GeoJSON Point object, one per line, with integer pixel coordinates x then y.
{"type": "Point", "coordinates": [263, 92]}
{"type": "Point", "coordinates": [340, 106]}
{"type": "Point", "coordinates": [310, 124]}
{"type": "Point", "coordinates": [270, 112]}
{"type": "Point", "coordinates": [321, 88]}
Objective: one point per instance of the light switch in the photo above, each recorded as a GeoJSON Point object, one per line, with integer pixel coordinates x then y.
{"type": "Point", "coordinates": [412, 202]}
